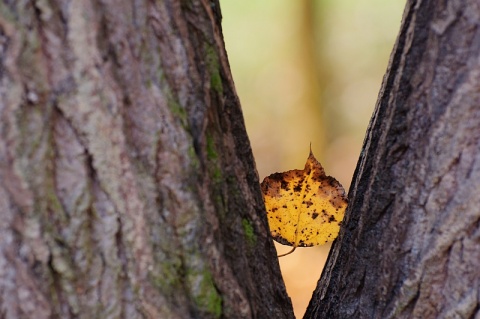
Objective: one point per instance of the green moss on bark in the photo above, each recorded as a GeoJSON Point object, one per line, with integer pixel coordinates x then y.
{"type": "Point", "coordinates": [249, 232]}
{"type": "Point", "coordinates": [214, 70]}
{"type": "Point", "coordinates": [205, 294]}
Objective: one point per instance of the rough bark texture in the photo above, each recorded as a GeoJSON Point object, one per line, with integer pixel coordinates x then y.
{"type": "Point", "coordinates": [127, 183]}
{"type": "Point", "coordinates": [410, 247]}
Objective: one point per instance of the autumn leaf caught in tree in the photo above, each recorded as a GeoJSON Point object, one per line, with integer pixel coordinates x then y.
{"type": "Point", "coordinates": [304, 207]}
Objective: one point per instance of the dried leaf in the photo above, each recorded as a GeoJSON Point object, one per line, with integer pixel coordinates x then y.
{"type": "Point", "coordinates": [304, 207]}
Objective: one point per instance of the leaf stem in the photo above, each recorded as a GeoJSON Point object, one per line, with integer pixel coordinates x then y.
{"type": "Point", "coordinates": [288, 253]}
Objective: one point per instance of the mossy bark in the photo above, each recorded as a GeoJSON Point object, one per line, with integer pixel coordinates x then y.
{"type": "Point", "coordinates": [410, 243]}
{"type": "Point", "coordinates": [126, 175]}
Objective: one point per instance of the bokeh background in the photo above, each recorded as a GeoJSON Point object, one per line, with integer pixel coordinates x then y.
{"type": "Point", "coordinates": [308, 71]}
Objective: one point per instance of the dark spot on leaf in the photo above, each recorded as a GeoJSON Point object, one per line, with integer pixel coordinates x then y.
{"type": "Point", "coordinates": [308, 203]}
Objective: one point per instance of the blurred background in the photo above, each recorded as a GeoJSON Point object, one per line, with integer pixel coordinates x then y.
{"type": "Point", "coordinates": [308, 71]}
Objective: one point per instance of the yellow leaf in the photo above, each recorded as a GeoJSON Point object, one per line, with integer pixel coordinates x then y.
{"type": "Point", "coordinates": [304, 207]}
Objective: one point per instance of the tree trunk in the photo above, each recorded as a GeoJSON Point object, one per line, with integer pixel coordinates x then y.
{"type": "Point", "coordinates": [410, 245]}
{"type": "Point", "coordinates": [127, 184]}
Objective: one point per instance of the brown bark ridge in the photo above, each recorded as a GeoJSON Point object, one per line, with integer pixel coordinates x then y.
{"type": "Point", "coordinates": [127, 183]}
{"type": "Point", "coordinates": [410, 245]}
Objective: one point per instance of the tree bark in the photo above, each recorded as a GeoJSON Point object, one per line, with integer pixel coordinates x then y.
{"type": "Point", "coordinates": [127, 183]}
{"type": "Point", "coordinates": [410, 245]}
